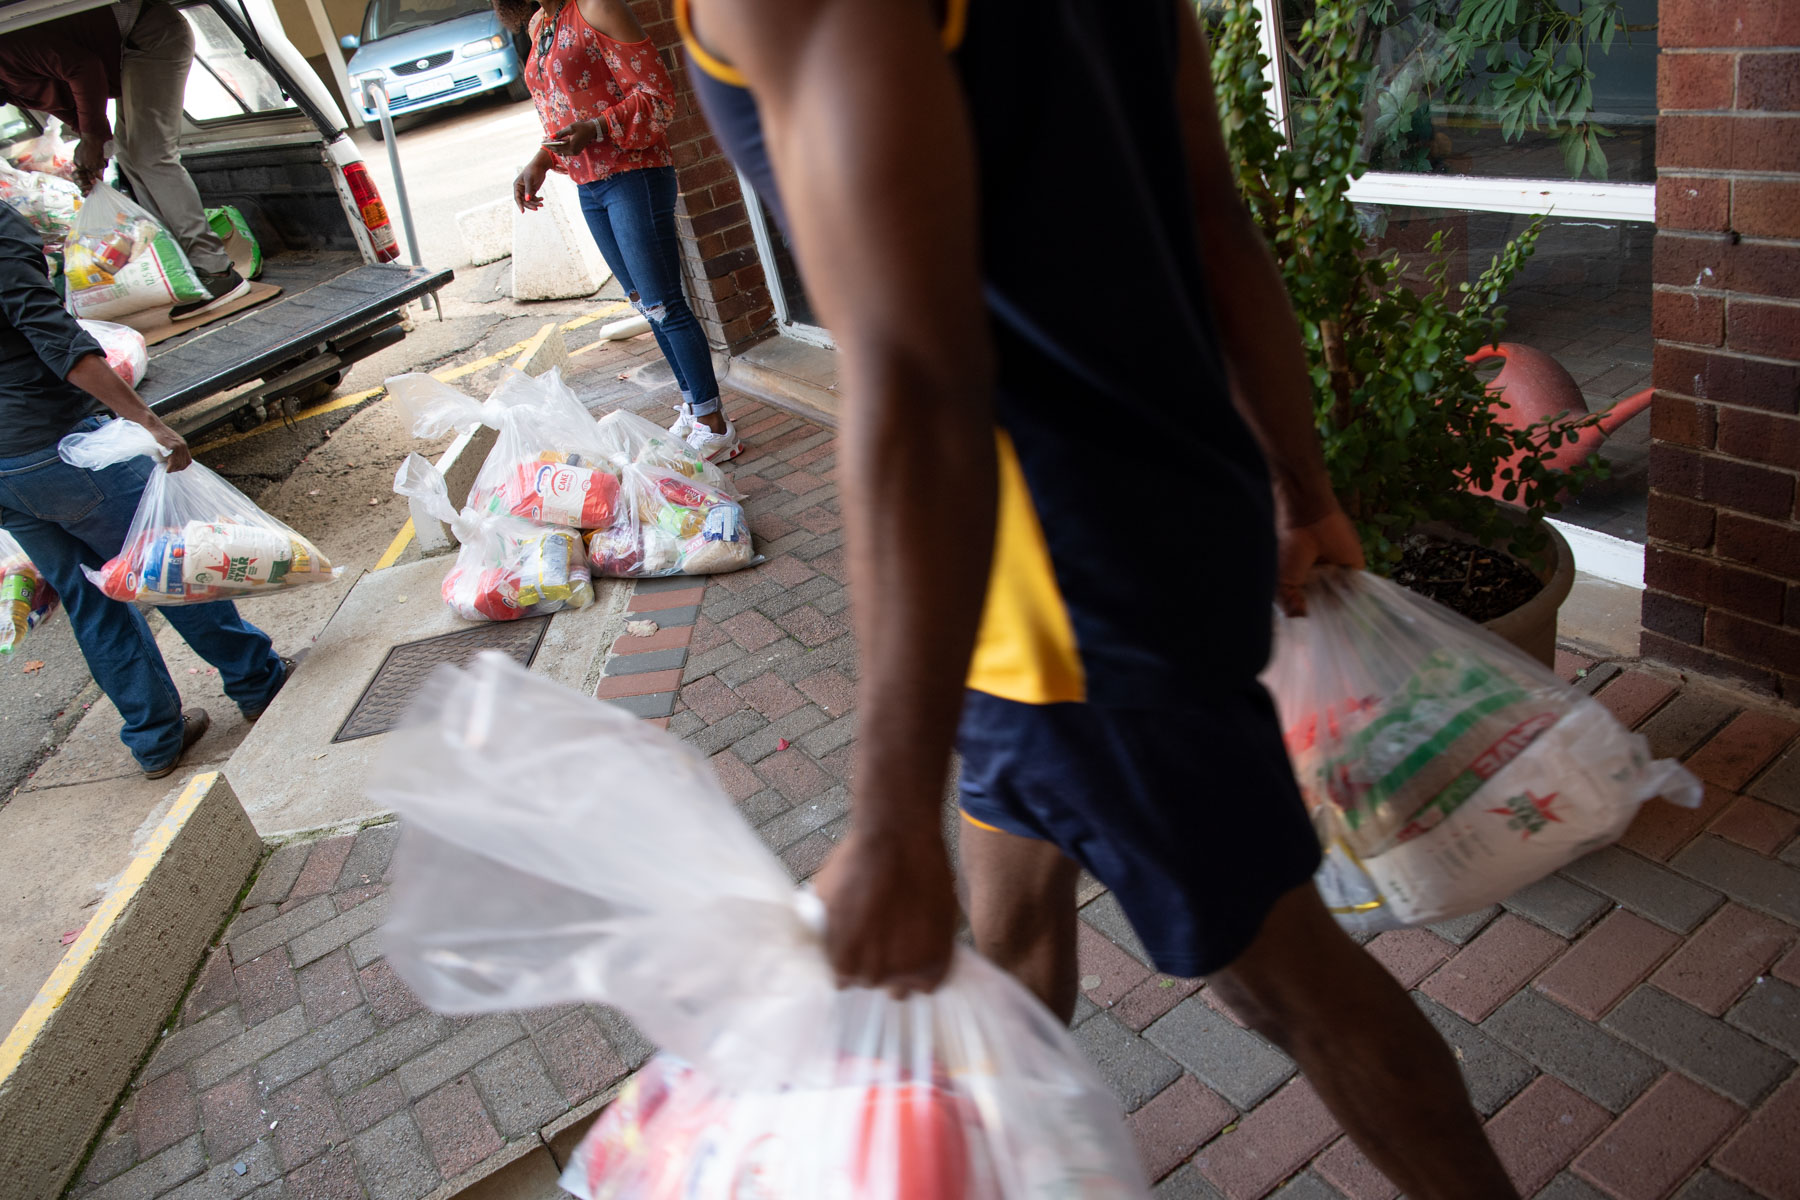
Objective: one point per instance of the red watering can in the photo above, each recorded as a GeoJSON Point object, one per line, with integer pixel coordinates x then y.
{"type": "Point", "coordinates": [1535, 388]}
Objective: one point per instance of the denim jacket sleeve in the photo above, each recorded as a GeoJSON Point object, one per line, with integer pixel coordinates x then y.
{"type": "Point", "coordinates": [30, 305]}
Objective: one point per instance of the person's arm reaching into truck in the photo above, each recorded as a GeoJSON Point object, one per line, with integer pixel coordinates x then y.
{"type": "Point", "coordinates": [30, 305]}
{"type": "Point", "coordinates": [1263, 348]}
{"type": "Point", "coordinates": [868, 131]}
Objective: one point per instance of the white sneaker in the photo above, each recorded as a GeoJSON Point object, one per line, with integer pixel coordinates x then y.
{"type": "Point", "coordinates": [684, 421]}
{"type": "Point", "coordinates": [715, 447]}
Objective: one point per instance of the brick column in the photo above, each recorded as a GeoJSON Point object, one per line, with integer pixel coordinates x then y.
{"type": "Point", "coordinates": [718, 253]}
{"type": "Point", "coordinates": [1723, 564]}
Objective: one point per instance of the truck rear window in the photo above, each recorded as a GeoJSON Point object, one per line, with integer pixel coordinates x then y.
{"type": "Point", "coordinates": [225, 82]}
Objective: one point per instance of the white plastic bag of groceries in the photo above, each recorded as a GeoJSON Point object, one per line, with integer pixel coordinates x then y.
{"type": "Point", "coordinates": [1443, 767]}
{"type": "Point", "coordinates": [194, 537]}
{"type": "Point", "coordinates": [120, 260]}
{"type": "Point", "coordinates": [507, 567]}
{"type": "Point", "coordinates": [677, 513]}
{"type": "Point", "coordinates": [527, 877]}
{"type": "Point", "coordinates": [547, 463]}
{"type": "Point", "coordinates": [26, 600]}
{"type": "Point", "coordinates": [126, 351]}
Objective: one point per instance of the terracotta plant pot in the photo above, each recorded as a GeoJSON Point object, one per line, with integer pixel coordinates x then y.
{"type": "Point", "coordinates": [1532, 626]}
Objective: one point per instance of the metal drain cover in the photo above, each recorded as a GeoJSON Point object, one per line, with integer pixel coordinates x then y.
{"type": "Point", "coordinates": [385, 701]}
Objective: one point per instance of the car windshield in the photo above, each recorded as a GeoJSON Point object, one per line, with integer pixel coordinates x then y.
{"type": "Point", "coordinates": [386, 18]}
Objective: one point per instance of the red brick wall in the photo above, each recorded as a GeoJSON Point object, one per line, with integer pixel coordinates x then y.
{"type": "Point", "coordinates": [1722, 570]}
{"type": "Point", "coordinates": [725, 277]}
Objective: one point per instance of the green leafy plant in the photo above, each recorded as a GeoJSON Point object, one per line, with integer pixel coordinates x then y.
{"type": "Point", "coordinates": [1408, 425]}
{"type": "Point", "coordinates": [1527, 64]}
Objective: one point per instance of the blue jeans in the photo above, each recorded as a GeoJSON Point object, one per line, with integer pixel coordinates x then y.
{"type": "Point", "coordinates": [632, 217]}
{"type": "Point", "coordinates": [66, 518]}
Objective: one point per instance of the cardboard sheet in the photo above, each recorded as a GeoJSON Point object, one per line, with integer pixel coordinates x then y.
{"type": "Point", "coordinates": [156, 327]}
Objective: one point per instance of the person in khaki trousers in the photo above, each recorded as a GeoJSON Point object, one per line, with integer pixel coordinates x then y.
{"type": "Point", "coordinates": [139, 53]}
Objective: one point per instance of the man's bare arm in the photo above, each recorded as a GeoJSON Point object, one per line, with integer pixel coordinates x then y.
{"type": "Point", "coordinates": [1263, 349]}
{"type": "Point", "coordinates": [869, 136]}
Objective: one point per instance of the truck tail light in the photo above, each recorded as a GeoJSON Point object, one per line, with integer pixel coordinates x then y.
{"type": "Point", "coordinates": [374, 212]}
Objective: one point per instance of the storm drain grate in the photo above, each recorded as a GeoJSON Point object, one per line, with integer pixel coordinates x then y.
{"type": "Point", "coordinates": [385, 701]}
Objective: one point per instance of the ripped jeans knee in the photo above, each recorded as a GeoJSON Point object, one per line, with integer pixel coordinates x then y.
{"type": "Point", "coordinates": [656, 313]}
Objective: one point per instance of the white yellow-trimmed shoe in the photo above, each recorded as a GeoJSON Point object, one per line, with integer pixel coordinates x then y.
{"type": "Point", "coordinates": [715, 447]}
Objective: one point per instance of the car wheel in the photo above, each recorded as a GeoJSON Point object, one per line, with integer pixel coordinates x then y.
{"type": "Point", "coordinates": [516, 89]}
{"type": "Point", "coordinates": [375, 132]}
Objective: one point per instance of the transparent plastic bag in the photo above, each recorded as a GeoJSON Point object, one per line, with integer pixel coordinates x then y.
{"type": "Point", "coordinates": [48, 203]}
{"type": "Point", "coordinates": [126, 351]}
{"type": "Point", "coordinates": [547, 464]}
{"type": "Point", "coordinates": [678, 513]}
{"type": "Point", "coordinates": [120, 260]}
{"type": "Point", "coordinates": [524, 880]}
{"type": "Point", "coordinates": [26, 600]}
{"type": "Point", "coordinates": [1444, 768]}
{"type": "Point", "coordinates": [194, 537]}
{"type": "Point", "coordinates": [49, 153]}
{"type": "Point", "coordinates": [506, 567]}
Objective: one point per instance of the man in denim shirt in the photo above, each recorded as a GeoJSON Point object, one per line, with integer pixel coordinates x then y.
{"type": "Point", "coordinates": [51, 376]}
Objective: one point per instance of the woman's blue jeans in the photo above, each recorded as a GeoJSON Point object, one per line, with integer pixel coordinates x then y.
{"type": "Point", "coordinates": [66, 518]}
{"type": "Point", "coordinates": [632, 217]}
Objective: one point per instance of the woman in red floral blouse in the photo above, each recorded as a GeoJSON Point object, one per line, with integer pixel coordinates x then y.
{"type": "Point", "coordinates": [599, 85]}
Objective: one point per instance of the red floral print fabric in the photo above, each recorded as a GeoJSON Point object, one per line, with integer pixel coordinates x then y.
{"type": "Point", "coordinates": [588, 76]}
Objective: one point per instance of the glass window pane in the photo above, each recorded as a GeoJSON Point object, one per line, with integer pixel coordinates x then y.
{"type": "Point", "coordinates": [224, 81]}
{"type": "Point", "coordinates": [1562, 89]}
{"type": "Point", "coordinates": [1584, 299]}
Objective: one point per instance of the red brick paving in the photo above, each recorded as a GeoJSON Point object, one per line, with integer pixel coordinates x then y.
{"type": "Point", "coordinates": [456, 1127]}
{"type": "Point", "coordinates": [1745, 746]}
{"type": "Point", "coordinates": [163, 1113]}
{"type": "Point", "coordinates": [1765, 1153]}
{"type": "Point", "coordinates": [1660, 829]}
{"type": "Point", "coordinates": [1177, 1121]}
{"type": "Point", "coordinates": [673, 637]}
{"type": "Point", "coordinates": [1270, 1144]}
{"type": "Point", "coordinates": [1659, 1140]}
{"type": "Point", "coordinates": [1755, 825]}
{"type": "Point", "coordinates": [650, 603]}
{"type": "Point", "coordinates": [321, 871]}
{"type": "Point", "coordinates": [1410, 954]}
{"type": "Point", "coordinates": [771, 695]}
{"type": "Point", "coordinates": [1152, 998]}
{"type": "Point", "coordinates": [1106, 972]}
{"type": "Point", "coordinates": [1634, 695]}
{"type": "Point", "coordinates": [1348, 1170]}
{"type": "Point", "coordinates": [645, 683]}
{"type": "Point", "coordinates": [1723, 957]}
{"type": "Point", "coordinates": [751, 630]}
{"type": "Point", "coordinates": [1541, 1129]}
{"type": "Point", "coordinates": [1499, 962]}
{"type": "Point", "coordinates": [1609, 960]}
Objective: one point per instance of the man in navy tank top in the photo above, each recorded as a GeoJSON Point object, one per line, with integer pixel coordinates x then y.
{"type": "Point", "coordinates": [1066, 527]}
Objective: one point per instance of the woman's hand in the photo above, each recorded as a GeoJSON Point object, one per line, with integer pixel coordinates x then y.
{"type": "Point", "coordinates": [574, 138]}
{"type": "Point", "coordinates": [530, 182]}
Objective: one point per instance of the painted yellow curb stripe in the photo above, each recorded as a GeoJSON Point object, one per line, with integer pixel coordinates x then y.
{"type": "Point", "coordinates": [76, 958]}
{"type": "Point", "coordinates": [444, 376]}
{"type": "Point", "coordinates": [396, 548]}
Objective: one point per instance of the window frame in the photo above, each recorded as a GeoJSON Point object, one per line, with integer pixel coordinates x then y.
{"type": "Point", "coordinates": [1589, 199]}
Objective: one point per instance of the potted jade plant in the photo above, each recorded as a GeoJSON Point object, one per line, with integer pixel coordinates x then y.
{"type": "Point", "coordinates": [1411, 431]}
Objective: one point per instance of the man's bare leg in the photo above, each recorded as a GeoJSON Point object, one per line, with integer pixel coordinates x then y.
{"type": "Point", "coordinates": [1021, 905]}
{"type": "Point", "coordinates": [1374, 1059]}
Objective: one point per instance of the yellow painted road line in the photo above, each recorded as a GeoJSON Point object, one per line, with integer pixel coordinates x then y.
{"type": "Point", "coordinates": [75, 959]}
{"type": "Point", "coordinates": [518, 351]}
{"type": "Point", "coordinates": [396, 548]}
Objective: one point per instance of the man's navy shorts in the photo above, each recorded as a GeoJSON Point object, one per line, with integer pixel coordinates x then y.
{"type": "Point", "coordinates": [1190, 815]}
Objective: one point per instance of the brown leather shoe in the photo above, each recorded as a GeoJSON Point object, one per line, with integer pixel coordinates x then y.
{"type": "Point", "coordinates": [194, 724]}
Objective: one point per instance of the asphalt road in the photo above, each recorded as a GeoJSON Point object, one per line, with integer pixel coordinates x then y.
{"type": "Point", "coordinates": [453, 160]}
